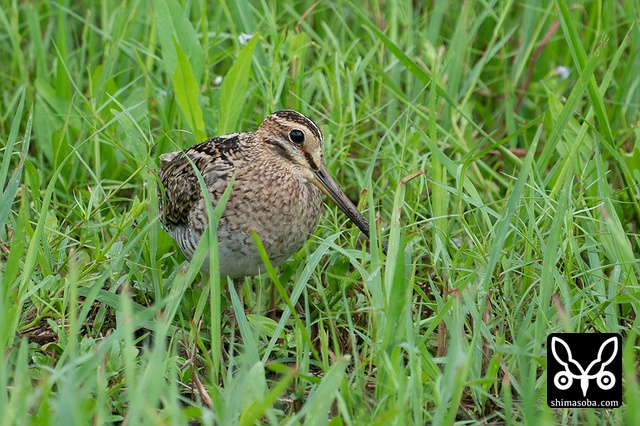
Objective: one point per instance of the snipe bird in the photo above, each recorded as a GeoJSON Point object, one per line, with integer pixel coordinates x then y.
{"type": "Point", "coordinates": [280, 178]}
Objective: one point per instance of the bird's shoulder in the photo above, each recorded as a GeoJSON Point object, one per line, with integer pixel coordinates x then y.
{"type": "Point", "coordinates": [213, 151]}
{"type": "Point", "coordinates": [214, 158]}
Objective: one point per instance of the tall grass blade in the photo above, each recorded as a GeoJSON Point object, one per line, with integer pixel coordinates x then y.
{"type": "Point", "coordinates": [234, 88]}
{"type": "Point", "coordinates": [316, 408]}
{"type": "Point", "coordinates": [187, 94]}
{"type": "Point", "coordinates": [177, 28]}
{"type": "Point", "coordinates": [9, 193]}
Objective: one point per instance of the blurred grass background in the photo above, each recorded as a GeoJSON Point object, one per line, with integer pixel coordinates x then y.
{"type": "Point", "coordinates": [494, 141]}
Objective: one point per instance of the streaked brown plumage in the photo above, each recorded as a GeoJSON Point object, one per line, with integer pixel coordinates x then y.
{"type": "Point", "coordinates": [280, 178]}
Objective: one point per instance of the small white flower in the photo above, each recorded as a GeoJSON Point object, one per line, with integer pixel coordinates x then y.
{"type": "Point", "coordinates": [217, 81]}
{"type": "Point", "coordinates": [244, 38]}
{"type": "Point", "coordinates": [562, 72]}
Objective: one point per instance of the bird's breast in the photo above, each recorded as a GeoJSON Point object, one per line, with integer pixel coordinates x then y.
{"type": "Point", "coordinates": [283, 213]}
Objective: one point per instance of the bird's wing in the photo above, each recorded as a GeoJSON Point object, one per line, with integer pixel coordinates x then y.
{"type": "Point", "coordinates": [214, 159]}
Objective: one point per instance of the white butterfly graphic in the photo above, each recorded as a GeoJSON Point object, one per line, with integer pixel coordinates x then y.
{"type": "Point", "coordinates": [564, 379]}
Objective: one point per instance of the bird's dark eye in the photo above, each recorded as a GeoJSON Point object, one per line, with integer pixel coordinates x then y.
{"type": "Point", "coordinates": [296, 136]}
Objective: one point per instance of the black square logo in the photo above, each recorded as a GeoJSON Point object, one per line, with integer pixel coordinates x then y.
{"type": "Point", "coordinates": [584, 370]}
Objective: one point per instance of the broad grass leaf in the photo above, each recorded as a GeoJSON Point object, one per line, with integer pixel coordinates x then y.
{"type": "Point", "coordinates": [234, 89]}
{"type": "Point", "coordinates": [185, 85]}
{"type": "Point", "coordinates": [175, 26]}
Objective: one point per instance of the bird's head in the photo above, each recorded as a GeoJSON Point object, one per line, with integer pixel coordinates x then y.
{"type": "Point", "coordinates": [299, 143]}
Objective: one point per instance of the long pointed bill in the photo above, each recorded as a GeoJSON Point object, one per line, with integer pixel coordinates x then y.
{"type": "Point", "coordinates": [334, 192]}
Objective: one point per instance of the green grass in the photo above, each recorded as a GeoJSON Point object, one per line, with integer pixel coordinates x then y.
{"type": "Point", "coordinates": [524, 220]}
